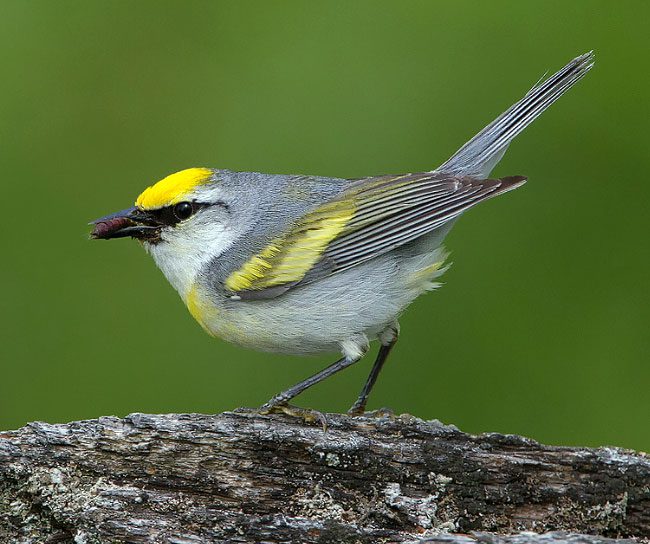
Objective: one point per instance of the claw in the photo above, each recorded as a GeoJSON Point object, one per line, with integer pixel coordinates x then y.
{"type": "Point", "coordinates": [383, 412]}
{"type": "Point", "coordinates": [308, 415]}
{"type": "Point", "coordinates": [380, 413]}
{"type": "Point", "coordinates": [356, 410]}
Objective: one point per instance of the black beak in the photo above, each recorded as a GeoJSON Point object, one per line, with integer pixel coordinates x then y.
{"type": "Point", "coordinates": [131, 222]}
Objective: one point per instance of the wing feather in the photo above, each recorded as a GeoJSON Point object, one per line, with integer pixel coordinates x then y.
{"type": "Point", "coordinates": [374, 216]}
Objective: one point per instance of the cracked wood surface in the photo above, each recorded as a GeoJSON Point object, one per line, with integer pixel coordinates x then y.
{"type": "Point", "coordinates": [242, 477]}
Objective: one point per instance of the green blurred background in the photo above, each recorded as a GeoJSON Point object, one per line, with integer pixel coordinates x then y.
{"type": "Point", "coordinates": [542, 326]}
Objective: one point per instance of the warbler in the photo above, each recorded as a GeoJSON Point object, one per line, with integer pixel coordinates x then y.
{"type": "Point", "coordinates": [303, 264]}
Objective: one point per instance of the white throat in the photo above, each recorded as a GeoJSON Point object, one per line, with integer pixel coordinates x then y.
{"type": "Point", "coordinates": [184, 251]}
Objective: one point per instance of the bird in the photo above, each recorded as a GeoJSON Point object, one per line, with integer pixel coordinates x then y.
{"type": "Point", "coordinates": [301, 264]}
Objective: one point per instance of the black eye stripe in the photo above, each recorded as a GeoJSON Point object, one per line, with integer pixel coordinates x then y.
{"type": "Point", "coordinates": [167, 215]}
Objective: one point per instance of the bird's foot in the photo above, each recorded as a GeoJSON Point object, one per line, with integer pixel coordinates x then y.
{"type": "Point", "coordinates": [379, 413]}
{"type": "Point", "coordinates": [308, 415]}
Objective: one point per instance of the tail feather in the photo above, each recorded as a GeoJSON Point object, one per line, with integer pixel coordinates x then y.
{"type": "Point", "coordinates": [478, 156]}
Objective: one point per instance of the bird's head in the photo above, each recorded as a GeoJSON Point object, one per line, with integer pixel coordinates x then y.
{"type": "Point", "coordinates": [184, 220]}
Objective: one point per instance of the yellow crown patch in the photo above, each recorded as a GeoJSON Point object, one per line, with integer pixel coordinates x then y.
{"type": "Point", "coordinates": [172, 189]}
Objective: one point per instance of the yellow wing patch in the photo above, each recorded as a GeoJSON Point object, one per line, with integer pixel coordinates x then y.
{"type": "Point", "coordinates": [172, 189]}
{"type": "Point", "coordinates": [288, 258]}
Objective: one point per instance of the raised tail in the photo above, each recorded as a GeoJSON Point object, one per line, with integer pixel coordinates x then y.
{"type": "Point", "coordinates": [478, 156]}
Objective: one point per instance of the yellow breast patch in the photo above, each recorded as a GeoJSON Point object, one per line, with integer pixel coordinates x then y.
{"type": "Point", "coordinates": [172, 189]}
{"type": "Point", "coordinates": [200, 308]}
{"type": "Point", "coordinates": [239, 328]}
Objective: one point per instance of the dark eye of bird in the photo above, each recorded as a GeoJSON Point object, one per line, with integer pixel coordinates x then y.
{"type": "Point", "coordinates": [172, 215]}
{"type": "Point", "coordinates": [183, 210]}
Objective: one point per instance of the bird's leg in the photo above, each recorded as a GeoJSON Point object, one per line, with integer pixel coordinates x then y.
{"type": "Point", "coordinates": [283, 398]}
{"type": "Point", "coordinates": [388, 339]}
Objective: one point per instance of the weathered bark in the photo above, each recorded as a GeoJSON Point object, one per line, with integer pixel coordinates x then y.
{"type": "Point", "coordinates": [241, 477]}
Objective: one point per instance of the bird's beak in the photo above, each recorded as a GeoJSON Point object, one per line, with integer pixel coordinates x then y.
{"type": "Point", "coordinates": [131, 222]}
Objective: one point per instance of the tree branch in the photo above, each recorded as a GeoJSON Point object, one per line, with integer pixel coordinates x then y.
{"type": "Point", "coordinates": [241, 477]}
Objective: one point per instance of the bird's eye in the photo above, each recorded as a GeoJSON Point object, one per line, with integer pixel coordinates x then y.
{"type": "Point", "coordinates": [183, 210]}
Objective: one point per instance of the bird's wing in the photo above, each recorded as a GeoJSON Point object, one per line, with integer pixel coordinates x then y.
{"type": "Point", "coordinates": [374, 216]}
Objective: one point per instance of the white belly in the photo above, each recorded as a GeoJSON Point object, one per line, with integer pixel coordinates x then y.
{"type": "Point", "coordinates": [320, 317]}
